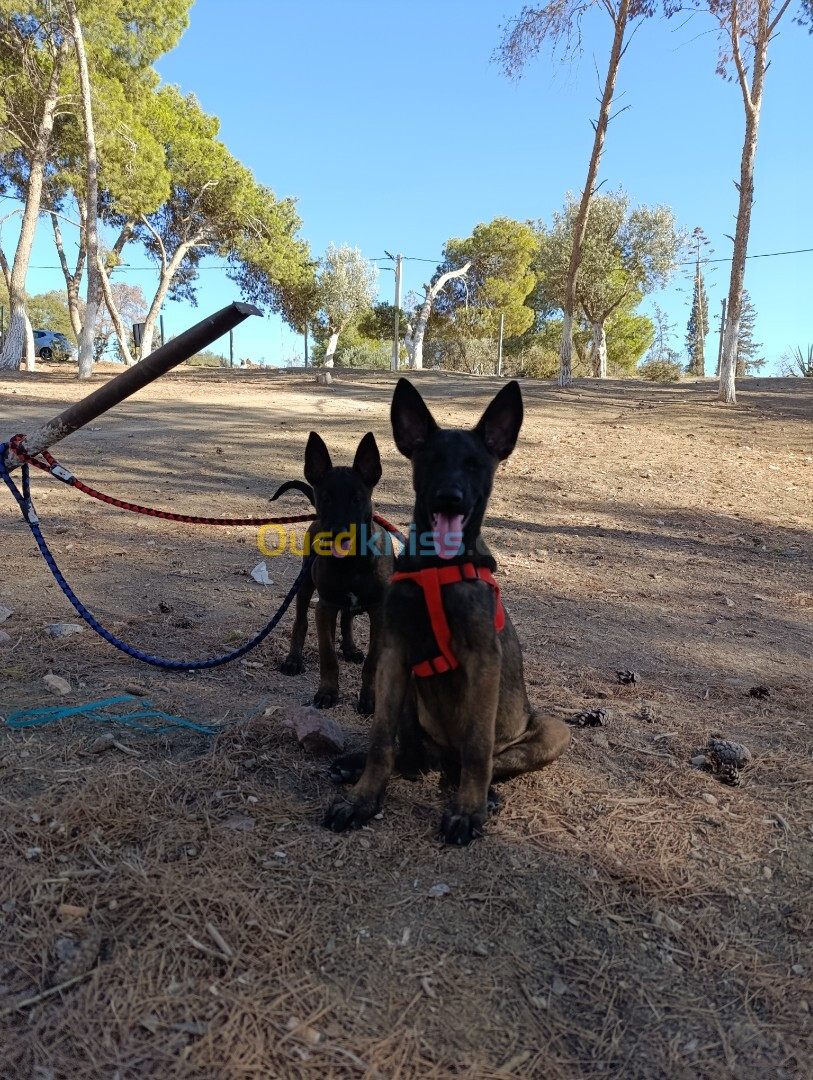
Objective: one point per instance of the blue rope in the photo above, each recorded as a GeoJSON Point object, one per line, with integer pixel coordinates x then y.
{"type": "Point", "coordinates": [30, 517]}
{"type": "Point", "coordinates": [50, 714]}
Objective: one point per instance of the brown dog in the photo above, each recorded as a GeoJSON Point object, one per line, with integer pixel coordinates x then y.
{"type": "Point", "coordinates": [352, 569]}
{"type": "Point", "coordinates": [450, 687]}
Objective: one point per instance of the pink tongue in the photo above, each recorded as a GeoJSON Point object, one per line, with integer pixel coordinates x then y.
{"type": "Point", "coordinates": [340, 550]}
{"type": "Point", "coordinates": [447, 535]}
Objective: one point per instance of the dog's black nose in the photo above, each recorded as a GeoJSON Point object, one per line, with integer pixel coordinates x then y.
{"type": "Point", "coordinates": [450, 498]}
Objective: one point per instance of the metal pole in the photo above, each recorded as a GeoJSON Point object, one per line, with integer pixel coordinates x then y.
{"type": "Point", "coordinates": [396, 320]}
{"type": "Point", "coordinates": [198, 337]}
{"type": "Point", "coordinates": [722, 332]}
{"type": "Point", "coordinates": [499, 350]}
{"type": "Point", "coordinates": [161, 321]}
{"type": "Point", "coordinates": [231, 348]}
{"type": "Point", "coordinates": [306, 344]}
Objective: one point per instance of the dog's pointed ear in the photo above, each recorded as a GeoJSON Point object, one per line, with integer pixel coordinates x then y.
{"type": "Point", "coordinates": [412, 422]}
{"type": "Point", "coordinates": [317, 460]}
{"type": "Point", "coordinates": [367, 462]}
{"type": "Point", "coordinates": [500, 423]}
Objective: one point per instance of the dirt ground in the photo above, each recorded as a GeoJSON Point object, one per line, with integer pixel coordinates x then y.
{"type": "Point", "coordinates": [178, 911]}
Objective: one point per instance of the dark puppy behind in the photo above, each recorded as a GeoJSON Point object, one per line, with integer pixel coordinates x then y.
{"type": "Point", "coordinates": [450, 690]}
{"type": "Point", "coordinates": [348, 577]}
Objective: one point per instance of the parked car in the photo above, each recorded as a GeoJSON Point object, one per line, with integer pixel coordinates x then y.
{"type": "Point", "coordinates": [50, 345]}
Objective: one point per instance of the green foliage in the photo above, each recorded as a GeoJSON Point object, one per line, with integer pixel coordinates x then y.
{"type": "Point", "coordinates": [49, 311]}
{"type": "Point", "coordinates": [534, 360]}
{"type": "Point", "coordinates": [207, 359]}
{"type": "Point", "coordinates": [797, 363]}
{"type": "Point", "coordinates": [629, 335]}
{"type": "Point", "coordinates": [347, 287]}
{"type": "Point", "coordinates": [376, 355]}
{"type": "Point", "coordinates": [661, 370]}
{"type": "Point", "coordinates": [697, 328]}
{"type": "Point", "coordinates": [499, 282]}
{"type": "Point", "coordinates": [626, 253]}
{"type": "Point", "coordinates": [748, 361]}
{"type": "Point", "coordinates": [379, 322]}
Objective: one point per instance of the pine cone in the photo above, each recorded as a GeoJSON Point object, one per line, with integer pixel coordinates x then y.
{"type": "Point", "coordinates": [726, 759]}
{"type": "Point", "coordinates": [628, 678]}
{"type": "Point", "coordinates": [592, 718]}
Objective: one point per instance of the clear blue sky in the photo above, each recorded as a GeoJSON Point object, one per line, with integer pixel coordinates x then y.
{"type": "Point", "coordinates": [394, 130]}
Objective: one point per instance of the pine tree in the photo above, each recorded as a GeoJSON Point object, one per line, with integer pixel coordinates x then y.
{"type": "Point", "coordinates": [748, 361]}
{"type": "Point", "coordinates": [697, 328]}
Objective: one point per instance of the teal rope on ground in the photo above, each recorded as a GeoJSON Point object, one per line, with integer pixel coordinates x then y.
{"type": "Point", "coordinates": [50, 714]}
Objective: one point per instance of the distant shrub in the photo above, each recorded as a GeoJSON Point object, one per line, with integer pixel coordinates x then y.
{"type": "Point", "coordinates": [478, 356]}
{"type": "Point", "coordinates": [365, 355]}
{"type": "Point", "coordinates": [661, 370]}
{"type": "Point", "coordinates": [207, 358]}
{"type": "Point", "coordinates": [535, 361]}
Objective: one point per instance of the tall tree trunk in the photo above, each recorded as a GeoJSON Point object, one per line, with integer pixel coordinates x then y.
{"type": "Point", "coordinates": [115, 317]}
{"type": "Point", "coordinates": [620, 19]}
{"type": "Point", "coordinates": [72, 279]}
{"type": "Point", "coordinates": [168, 271]}
{"type": "Point", "coordinates": [416, 352]}
{"type": "Point", "coordinates": [92, 214]}
{"type": "Point", "coordinates": [598, 357]}
{"type": "Point", "coordinates": [330, 352]}
{"type": "Point", "coordinates": [752, 100]}
{"type": "Point", "coordinates": [18, 339]}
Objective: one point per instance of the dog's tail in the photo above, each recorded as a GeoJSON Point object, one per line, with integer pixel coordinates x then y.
{"type": "Point", "coordinates": [295, 485]}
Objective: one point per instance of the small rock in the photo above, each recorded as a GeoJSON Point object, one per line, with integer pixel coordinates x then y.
{"type": "Point", "coordinates": [767, 873]}
{"type": "Point", "coordinates": [438, 890]}
{"type": "Point", "coordinates": [64, 629]}
{"type": "Point", "coordinates": [324, 378]}
{"type": "Point", "coordinates": [798, 969]}
{"type": "Point", "coordinates": [4, 637]}
{"type": "Point", "coordinates": [316, 732]}
{"type": "Point", "coordinates": [707, 797]}
{"type": "Point", "coordinates": [558, 987]}
{"type": "Point", "coordinates": [666, 922]}
{"type": "Point", "coordinates": [698, 761]}
{"type": "Point", "coordinates": [5, 612]}
{"type": "Point", "coordinates": [56, 684]}
{"type": "Point", "coordinates": [239, 823]}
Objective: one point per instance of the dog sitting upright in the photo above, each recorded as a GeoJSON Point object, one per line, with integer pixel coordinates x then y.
{"type": "Point", "coordinates": [450, 688]}
{"type": "Point", "coordinates": [351, 571]}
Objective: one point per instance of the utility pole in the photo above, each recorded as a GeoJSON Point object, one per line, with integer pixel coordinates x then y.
{"type": "Point", "coordinates": [499, 349]}
{"type": "Point", "coordinates": [231, 348]}
{"type": "Point", "coordinates": [306, 344]}
{"type": "Point", "coordinates": [722, 331]}
{"type": "Point", "coordinates": [396, 320]}
{"type": "Point", "coordinates": [163, 339]}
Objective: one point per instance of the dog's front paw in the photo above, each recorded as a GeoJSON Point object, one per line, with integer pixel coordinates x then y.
{"type": "Point", "coordinates": [461, 829]}
{"type": "Point", "coordinates": [347, 769]}
{"type": "Point", "coordinates": [345, 814]}
{"type": "Point", "coordinates": [366, 703]}
{"type": "Point", "coordinates": [325, 699]}
{"type": "Point", "coordinates": [292, 665]}
{"type": "Point", "coordinates": [352, 655]}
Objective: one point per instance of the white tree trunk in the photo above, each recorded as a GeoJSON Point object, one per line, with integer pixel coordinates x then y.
{"type": "Point", "coordinates": [416, 357]}
{"type": "Point", "coordinates": [15, 339]}
{"type": "Point", "coordinates": [88, 334]}
{"type": "Point", "coordinates": [168, 271]}
{"type": "Point", "coordinates": [599, 355]}
{"type": "Point", "coordinates": [330, 352]}
{"type": "Point", "coordinates": [409, 343]}
{"type": "Point", "coordinates": [30, 352]}
{"type": "Point", "coordinates": [118, 326]}
{"type": "Point", "coordinates": [566, 351]}
{"type": "Point", "coordinates": [19, 339]}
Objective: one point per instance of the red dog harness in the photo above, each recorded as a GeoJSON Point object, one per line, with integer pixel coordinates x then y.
{"type": "Point", "coordinates": [431, 581]}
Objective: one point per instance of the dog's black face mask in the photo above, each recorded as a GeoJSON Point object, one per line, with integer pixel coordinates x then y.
{"type": "Point", "coordinates": [453, 470]}
{"type": "Point", "coordinates": [343, 496]}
